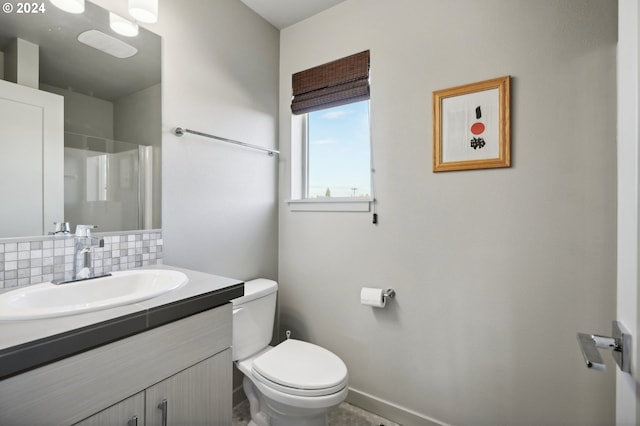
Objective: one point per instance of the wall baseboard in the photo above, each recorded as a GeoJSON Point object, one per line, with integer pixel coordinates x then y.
{"type": "Point", "coordinates": [368, 402]}
{"type": "Point", "coordinates": [388, 410]}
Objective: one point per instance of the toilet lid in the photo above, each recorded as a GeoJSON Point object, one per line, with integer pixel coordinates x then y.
{"type": "Point", "coordinates": [301, 368]}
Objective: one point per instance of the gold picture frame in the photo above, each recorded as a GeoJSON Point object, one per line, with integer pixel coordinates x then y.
{"type": "Point", "coordinates": [471, 126]}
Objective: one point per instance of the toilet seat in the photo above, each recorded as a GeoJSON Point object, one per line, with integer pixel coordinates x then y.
{"type": "Point", "coordinates": [299, 368]}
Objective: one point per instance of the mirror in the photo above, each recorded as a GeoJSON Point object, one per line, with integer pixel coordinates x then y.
{"type": "Point", "coordinates": [112, 122]}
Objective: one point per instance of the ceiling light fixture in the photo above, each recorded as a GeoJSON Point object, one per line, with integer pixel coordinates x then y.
{"type": "Point", "coordinates": [107, 44]}
{"type": "Point", "coordinates": [122, 26]}
{"type": "Point", "coordinates": [71, 6]}
{"type": "Point", "coordinates": [144, 10]}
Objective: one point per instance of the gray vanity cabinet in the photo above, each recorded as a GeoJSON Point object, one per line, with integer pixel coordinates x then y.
{"type": "Point", "coordinates": [129, 412]}
{"type": "Point", "coordinates": [197, 395]}
{"type": "Point", "coordinates": [185, 362]}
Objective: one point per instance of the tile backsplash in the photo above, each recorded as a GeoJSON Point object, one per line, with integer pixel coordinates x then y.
{"type": "Point", "coordinates": [25, 261]}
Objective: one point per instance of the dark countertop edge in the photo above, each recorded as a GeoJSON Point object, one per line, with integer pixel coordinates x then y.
{"type": "Point", "coordinates": [21, 358]}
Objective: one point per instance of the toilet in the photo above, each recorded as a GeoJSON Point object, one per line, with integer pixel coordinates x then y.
{"type": "Point", "coordinates": [294, 383]}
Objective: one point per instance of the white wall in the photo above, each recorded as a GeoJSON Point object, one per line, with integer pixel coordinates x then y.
{"type": "Point", "coordinates": [22, 63]}
{"type": "Point", "coordinates": [84, 114]}
{"type": "Point", "coordinates": [135, 114]}
{"type": "Point", "coordinates": [219, 76]}
{"type": "Point", "coordinates": [220, 65]}
{"type": "Point", "coordinates": [495, 270]}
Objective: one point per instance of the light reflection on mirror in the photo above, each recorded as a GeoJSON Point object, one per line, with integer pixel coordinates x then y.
{"type": "Point", "coordinates": [112, 117]}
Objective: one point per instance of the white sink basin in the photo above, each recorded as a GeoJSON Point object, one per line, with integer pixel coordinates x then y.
{"type": "Point", "coordinates": [49, 300]}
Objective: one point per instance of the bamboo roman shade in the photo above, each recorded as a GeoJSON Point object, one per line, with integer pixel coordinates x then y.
{"type": "Point", "coordinates": [335, 83]}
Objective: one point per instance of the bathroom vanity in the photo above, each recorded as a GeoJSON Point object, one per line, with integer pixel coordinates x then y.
{"type": "Point", "coordinates": [163, 361]}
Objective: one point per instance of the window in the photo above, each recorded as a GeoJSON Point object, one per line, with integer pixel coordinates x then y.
{"type": "Point", "coordinates": [335, 150]}
{"type": "Point", "coordinates": [338, 152]}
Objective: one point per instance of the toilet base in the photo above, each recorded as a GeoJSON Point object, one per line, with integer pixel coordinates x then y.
{"type": "Point", "coordinates": [267, 412]}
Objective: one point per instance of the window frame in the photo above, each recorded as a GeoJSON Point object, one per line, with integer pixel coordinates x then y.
{"type": "Point", "coordinates": [300, 200]}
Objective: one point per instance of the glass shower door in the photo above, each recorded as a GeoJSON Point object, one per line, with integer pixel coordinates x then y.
{"type": "Point", "coordinates": [106, 183]}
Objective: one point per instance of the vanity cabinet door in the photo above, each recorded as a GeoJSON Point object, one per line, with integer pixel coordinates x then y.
{"type": "Point", "coordinates": [129, 412]}
{"type": "Point", "coordinates": [199, 395]}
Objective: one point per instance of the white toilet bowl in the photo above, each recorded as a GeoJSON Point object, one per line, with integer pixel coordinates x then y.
{"type": "Point", "coordinates": [292, 384]}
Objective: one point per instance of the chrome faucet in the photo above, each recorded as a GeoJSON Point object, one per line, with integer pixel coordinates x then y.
{"type": "Point", "coordinates": [61, 228]}
{"type": "Point", "coordinates": [84, 244]}
{"type": "Point", "coordinates": [82, 265]}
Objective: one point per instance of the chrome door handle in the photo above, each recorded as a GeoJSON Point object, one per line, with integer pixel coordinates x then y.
{"type": "Point", "coordinates": [619, 344]}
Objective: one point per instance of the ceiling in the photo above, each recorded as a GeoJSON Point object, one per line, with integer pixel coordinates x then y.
{"type": "Point", "coordinates": [68, 64]}
{"type": "Point", "coordinates": [283, 13]}
{"type": "Point", "coordinates": [63, 66]}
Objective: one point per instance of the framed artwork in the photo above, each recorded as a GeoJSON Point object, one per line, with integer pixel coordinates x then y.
{"type": "Point", "coordinates": [471, 126]}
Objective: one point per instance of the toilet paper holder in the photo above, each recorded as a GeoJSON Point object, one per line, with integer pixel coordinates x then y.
{"type": "Point", "coordinates": [376, 297]}
{"type": "Point", "coordinates": [389, 294]}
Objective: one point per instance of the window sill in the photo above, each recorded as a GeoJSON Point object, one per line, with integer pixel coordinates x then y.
{"type": "Point", "coordinates": [331, 205]}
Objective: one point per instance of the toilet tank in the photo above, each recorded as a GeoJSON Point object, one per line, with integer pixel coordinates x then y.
{"type": "Point", "coordinates": [253, 316]}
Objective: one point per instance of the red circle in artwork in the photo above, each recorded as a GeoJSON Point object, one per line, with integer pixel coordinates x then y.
{"type": "Point", "coordinates": [477, 128]}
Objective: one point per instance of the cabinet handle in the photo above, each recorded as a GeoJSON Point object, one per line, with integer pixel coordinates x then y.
{"type": "Point", "coordinates": [163, 406]}
{"type": "Point", "coordinates": [133, 421]}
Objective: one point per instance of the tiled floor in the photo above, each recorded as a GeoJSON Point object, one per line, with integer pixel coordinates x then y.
{"type": "Point", "coordinates": [345, 415]}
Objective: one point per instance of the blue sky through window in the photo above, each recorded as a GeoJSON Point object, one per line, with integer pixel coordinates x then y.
{"type": "Point", "coordinates": [339, 152]}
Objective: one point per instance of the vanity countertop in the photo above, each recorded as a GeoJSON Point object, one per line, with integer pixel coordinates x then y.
{"type": "Point", "coordinates": [29, 344]}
